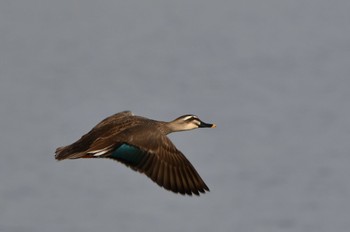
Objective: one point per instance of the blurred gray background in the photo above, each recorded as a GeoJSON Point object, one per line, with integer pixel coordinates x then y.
{"type": "Point", "coordinates": [273, 75]}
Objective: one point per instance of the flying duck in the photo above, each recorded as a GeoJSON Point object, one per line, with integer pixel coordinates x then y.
{"type": "Point", "coordinates": [142, 144]}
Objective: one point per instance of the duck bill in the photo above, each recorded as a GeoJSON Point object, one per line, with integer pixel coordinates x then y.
{"type": "Point", "coordinates": [206, 125]}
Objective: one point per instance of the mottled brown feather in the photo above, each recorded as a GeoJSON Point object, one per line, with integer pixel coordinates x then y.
{"type": "Point", "coordinates": [105, 127]}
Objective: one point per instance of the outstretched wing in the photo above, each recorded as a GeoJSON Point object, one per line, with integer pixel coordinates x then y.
{"type": "Point", "coordinates": [169, 168]}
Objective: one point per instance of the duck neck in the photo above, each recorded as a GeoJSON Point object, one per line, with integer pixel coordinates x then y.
{"type": "Point", "coordinates": [168, 127]}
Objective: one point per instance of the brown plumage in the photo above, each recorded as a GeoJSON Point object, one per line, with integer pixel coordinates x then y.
{"type": "Point", "coordinates": [141, 144]}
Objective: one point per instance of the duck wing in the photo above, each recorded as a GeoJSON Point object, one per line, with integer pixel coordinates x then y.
{"type": "Point", "coordinates": [169, 168]}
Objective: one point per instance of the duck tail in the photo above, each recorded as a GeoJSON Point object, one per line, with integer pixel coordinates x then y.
{"type": "Point", "coordinates": [68, 152]}
{"type": "Point", "coordinates": [62, 153]}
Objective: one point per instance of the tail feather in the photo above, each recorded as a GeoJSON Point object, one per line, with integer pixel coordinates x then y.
{"type": "Point", "coordinates": [68, 153]}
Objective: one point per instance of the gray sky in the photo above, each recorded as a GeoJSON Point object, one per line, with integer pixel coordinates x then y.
{"type": "Point", "coordinates": [273, 76]}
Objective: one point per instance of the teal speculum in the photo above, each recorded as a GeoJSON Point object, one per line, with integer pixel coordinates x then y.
{"type": "Point", "coordinates": [127, 153]}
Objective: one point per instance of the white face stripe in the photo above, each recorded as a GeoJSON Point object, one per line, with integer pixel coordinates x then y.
{"type": "Point", "coordinates": [190, 116]}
